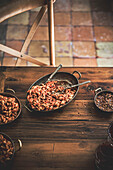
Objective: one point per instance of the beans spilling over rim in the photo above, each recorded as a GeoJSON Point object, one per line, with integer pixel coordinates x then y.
{"type": "Point", "coordinates": [46, 97]}
{"type": "Point", "coordinates": [6, 150]}
{"type": "Point", "coordinates": [9, 108]}
{"type": "Point", "coordinates": [104, 101]}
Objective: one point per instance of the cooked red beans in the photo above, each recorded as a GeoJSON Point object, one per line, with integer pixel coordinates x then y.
{"type": "Point", "coordinates": [6, 149]}
{"type": "Point", "coordinates": [105, 101]}
{"type": "Point", "coordinates": [47, 97]}
{"type": "Point", "coordinates": [8, 109]}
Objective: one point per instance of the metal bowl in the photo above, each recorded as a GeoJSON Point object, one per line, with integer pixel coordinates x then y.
{"type": "Point", "coordinates": [100, 92]}
{"type": "Point", "coordinates": [110, 133]}
{"type": "Point", "coordinates": [17, 100]}
{"type": "Point", "coordinates": [7, 163]}
{"type": "Point", "coordinates": [58, 76]}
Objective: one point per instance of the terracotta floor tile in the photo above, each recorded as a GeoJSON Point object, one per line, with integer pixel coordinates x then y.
{"type": "Point", "coordinates": [36, 9]}
{"type": "Point", "coordinates": [41, 59]}
{"type": "Point", "coordinates": [17, 45]}
{"type": "Point", "coordinates": [9, 61]}
{"type": "Point", "coordinates": [74, 41]}
{"type": "Point", "coordinates": [63, 48]}
{"type": "Point", "coordinates": [104, 62]}
{"type": "Point", "coordinates": [41, 33]}
{"type": "Point", "coordinates": [81, 18]}
{"type": "Point", "coordinates": [103, 33]}
{"type": "Point", "coordinates": [81, 5]}
{"type": "Point", "coordinates": [1, 52]}
{"type": "Point", "coordinates": [32, 17]}
{"type": "Point", "coordinates": [85, 62]}
{"type": "Point", "coordinates": [63, 33]}
{"type": "Point", "coordinates": [44, 20]}
{"type": "Point", "coordinates": [62, 18]}
{"type": "Point", "coordinates": [101, 5]}
{"type": "Point", "coordinates": [16, 32]}
{"type": "Point", "coordinates": [3, 29]}
{"type": "Point", "coordinates": [1, 60]}
{"type": "Point", "coordinates": [4, 22]}
{"type": "Point", "coordinates": [22, 18]}
{"type": "Point", "coordinates": [82, 33]}
{"type": "Point", "coordinates": [104, 49]}
{"type": "Point", "coordinates": [62, 5]}
{"type": "Point", "coordinates": [83, 49]}
{"type": "Point", "coordinates": [65, 61]}
{"type": "Point", "coordinates": [103, 18]}
{"type": "Point", "coordinates": [39, 48]}
{"type": "Point", "coordinates": [23, 63]}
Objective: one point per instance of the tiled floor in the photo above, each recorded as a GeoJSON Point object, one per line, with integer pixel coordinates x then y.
{"type": "Point", "coordinates": [83, 34]}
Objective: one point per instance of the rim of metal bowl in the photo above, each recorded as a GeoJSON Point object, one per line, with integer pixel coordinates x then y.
{"type": "Point", "coordinates": [98, 93]}
{"type": "Point", "coordinates": [9, 138]}
{"type": "Point", "coordinates": [44, 111]}
{"type": "Point", "coordinates": [108, 130]}
{"type": "Point", "coordinates": [19, 112]}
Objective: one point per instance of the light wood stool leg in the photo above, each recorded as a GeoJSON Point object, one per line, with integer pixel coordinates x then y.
{"type": "Point", "coordinates": [20, 55]}
{"type": "Point", "coordinates": [51, 32]}
{"type": "Point", "coordinates": [32, 32]}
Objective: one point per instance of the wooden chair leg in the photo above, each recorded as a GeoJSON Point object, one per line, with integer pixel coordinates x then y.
{"type": "Point", "coordinates": [20, 55]}
{"type": "Point", "coordinates": [51, 32]}
{"type": "Point", "coordinates": [32, 31]}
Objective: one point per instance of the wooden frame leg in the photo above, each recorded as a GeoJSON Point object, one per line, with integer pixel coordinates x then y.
{"type": "Point", "coordinates": [51, 32]}
{"type": "Point", "coordinates": [32, 32]}
{"type": "Point", "coordinates": [20, 55]}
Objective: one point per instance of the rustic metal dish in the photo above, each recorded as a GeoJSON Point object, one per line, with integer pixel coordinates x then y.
{"type": "Point", "coordinates": [17, 100]}
{"type": "Point", "coordinates": [104, 156]}
{"type": "Point", "coordinates": [14, 149]}
{"type": "Point", "coordinates": [59, 76]}
{"type": "Point", "coordinates": [110, 133]}
{"type": "Point", "coordinates": [98, 92]}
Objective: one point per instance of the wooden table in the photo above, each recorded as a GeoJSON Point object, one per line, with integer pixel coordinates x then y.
{"type": "Point", "coordinates": [63, 140]}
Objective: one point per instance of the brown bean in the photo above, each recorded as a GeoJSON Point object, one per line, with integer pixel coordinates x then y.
{"type": "Point", "coordinates": [6, 149]}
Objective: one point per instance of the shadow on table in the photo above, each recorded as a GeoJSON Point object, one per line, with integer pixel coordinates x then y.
{"type": "Point", "coordinates": [100, 114]}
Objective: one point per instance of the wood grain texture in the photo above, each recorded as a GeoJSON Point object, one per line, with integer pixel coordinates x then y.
{"type": "Point", "coordinates": [2, 82]}
{"type": "Point", "coordinates": [64, 139]}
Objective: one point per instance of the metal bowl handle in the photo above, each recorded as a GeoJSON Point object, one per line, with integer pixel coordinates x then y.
{"type": "Point", "coordinates": [20, 145]}
{"type": "Point", "coordinates": [78, 74]}
{"type": "Point", "coordinates": [8, 89]}
{"type": "Point", "coordinates": [28, 108]}
{"type": "Point", "coordinates": [97, 90]}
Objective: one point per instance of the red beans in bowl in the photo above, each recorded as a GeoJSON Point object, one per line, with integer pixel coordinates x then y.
{"type": "Point", "coordinates": [9, 108]}
{"type": "Point", "coordinates": [46, 97]}
{"type": "Point", "coordinates": [6, 149]}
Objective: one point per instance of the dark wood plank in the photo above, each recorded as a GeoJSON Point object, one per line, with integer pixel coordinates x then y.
{"type": "Point", "coordinates": [2, 82]}
{"type": "Point", "coordinates": [64, 139]}
{"type": "Point", "coordinates": [56, 155]}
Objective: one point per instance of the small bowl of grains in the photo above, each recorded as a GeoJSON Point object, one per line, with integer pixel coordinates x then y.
{"type": "Point", "coordinates": [104, 100]}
